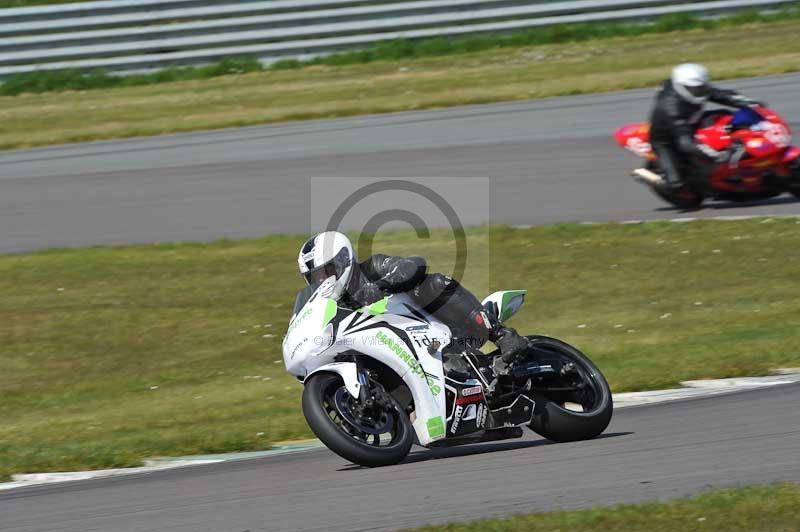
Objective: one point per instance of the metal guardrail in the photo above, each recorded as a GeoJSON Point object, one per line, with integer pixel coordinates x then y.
{"type": "Point", "coordinates": [136, 35]}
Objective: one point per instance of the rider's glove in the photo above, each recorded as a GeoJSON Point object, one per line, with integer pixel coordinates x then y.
{"type": "Point", "coordinates": [510, 343]}
{"type": "Point", "coordinates": [368, 294]}
{"type": "Point", "coordinates": [718, 156]}
{"type": "Point", "coordinates": [748, 102]}
{"type": "Point", "coordinates": [723, 157]}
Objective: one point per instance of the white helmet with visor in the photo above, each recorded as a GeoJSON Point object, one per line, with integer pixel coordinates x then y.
{"type": "Point", "coordinates": [326, 262]}
{"type": "Point", "coordinates": [691, 81]}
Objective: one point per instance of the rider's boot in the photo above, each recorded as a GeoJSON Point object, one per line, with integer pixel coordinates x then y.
{"type": "Point", "coordinates": [668, 164]}
{"type": "Point", "coordinates": [672, 183]}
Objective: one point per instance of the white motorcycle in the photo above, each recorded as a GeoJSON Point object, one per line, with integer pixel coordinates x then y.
{"type": "Point", "coordinates": [383, 377]}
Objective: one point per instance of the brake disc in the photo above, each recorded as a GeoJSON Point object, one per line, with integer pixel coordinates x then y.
{"type": "Point", "coordinates": [343, 403]}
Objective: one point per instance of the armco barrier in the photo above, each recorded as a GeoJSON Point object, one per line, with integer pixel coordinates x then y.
{"type": "Point", "coordinates": [136, 35]}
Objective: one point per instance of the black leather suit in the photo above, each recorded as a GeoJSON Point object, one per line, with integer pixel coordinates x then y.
{"type": "Point", "coordinates": [438, 294]}
{"type": "Point", "coordinates": [672, 126]}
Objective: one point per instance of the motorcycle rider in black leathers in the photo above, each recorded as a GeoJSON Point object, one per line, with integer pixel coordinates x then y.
{"type": "Point", "coordinates": [675, 117]}
{"type": "Point", "coordinates": [328, 258]}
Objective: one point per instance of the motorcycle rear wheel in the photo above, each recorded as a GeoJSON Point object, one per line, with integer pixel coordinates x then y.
{"type": "Point", "coordinates": [380, 439]}
{"type": "Point", "coordinates": [553, 419]}
{"type": "Point", "coordinates": [684, 198]}
{"type": "Point", "coordinates": [794, 187]}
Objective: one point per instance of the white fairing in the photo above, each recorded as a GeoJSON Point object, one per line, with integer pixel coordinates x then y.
{"type": "Point", "coordinates": [394, 331]}
{"type": "Point", "coordinates": [348, 371]}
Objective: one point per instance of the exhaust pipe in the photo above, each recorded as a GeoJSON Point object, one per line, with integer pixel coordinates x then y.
{"type": "Point", "coordinates": [646, 176]}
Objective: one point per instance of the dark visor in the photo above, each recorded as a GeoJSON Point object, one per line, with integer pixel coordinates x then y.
{"type": "Point", "coordinates": [332, 268]}
{"type": "Point", "coordinates": [701, 91]}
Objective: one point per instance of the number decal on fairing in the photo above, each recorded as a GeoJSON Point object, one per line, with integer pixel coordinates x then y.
{"type": "Point", "coordinates": [638, 146]}
{"type": "Point", "coordinates": [777, 134]}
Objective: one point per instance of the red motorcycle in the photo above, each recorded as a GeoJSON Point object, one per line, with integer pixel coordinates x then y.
{"type": "Point", "coordinates": [763, 162]}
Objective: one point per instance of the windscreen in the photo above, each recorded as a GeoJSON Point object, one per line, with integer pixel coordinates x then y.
{"type": "Point", "coordinates": [746, 117]}
{"type": "Point", "coordinates": [302, 298]}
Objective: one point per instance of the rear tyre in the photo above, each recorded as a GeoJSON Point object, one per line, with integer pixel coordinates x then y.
{"type": "Point", "coordinates": [686, 197]}
{"type": "Point", "coordinates": [575, 415]}
{"type": "Point", "coordinates": [794, 187]}
{"type": "Point", "coordinates": [374, 438]}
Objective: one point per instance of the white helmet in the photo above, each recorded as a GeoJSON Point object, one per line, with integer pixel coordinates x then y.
{"type": "Point", "coordinates": [326, 260]}
{"type": "Point", "coordinates": [691, 81]}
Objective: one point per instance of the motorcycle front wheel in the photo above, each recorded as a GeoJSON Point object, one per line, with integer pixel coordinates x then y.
{"type": "Point", "coordinates": [371, 436]}
{"type": "Point", "coordinates": [578, 405]}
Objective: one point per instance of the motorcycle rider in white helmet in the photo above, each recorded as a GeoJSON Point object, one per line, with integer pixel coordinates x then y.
{"type": "Point", "coordinates": [675, 117]}
{"type": "Point", "coordinates": [328, 263]}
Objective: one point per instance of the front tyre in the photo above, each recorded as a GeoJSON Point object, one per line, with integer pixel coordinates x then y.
{"type": "Point", "coordinates": [579, 405]}
{"type": "Point", "coordinates": [372, 437]}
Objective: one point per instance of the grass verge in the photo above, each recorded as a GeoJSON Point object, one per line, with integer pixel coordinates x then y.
{"type": "Point", "coordinates": [752, 509]}
{"type": "Point", "coordinates": [114, 354]}
{"type": "Point", "coordinates": [418, 81]}
{"type": "Point", "coordinates": [71, 79]}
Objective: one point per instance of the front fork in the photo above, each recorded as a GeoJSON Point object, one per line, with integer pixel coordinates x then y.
{"type": "Point", "coordinates": [371, 393]}
{"type": "Point", "coordinates": [363, 381]}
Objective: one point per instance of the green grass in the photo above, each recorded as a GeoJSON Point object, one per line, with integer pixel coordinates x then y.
{"type": "Point", "coordinates": [403, 49]}
{"type": "Point", "coordinates": [62, 80]}
{"type": "Point", "coordinates": [114, 354]}
{"type": "Point", "coordinates": [418, 81]}
{"type": "Point", "coordinates": [752, 509]}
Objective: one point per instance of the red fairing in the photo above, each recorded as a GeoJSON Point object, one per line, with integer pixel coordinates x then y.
{"type": "Point", "coordinates": [759, 140]}
{"type": "Point", "coordinates": [636, 138]}
{"type": "Point", "coordinates": [791, 154]}
{"type": "Point", "coordinates": [717, 135]}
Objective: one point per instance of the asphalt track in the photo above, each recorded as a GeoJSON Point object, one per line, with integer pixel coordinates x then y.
{"type": "Point", "coordinates": [547, 161]}
{"type": "Point", "coordinates": [650, 452]}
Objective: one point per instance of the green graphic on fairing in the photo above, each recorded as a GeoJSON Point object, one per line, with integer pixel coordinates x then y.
{"type": "Point", "coordinates": [299, 319]}
{"type": "Point", "coordinates": [379, 307]}
{"type": "Point", "coordinates": [435, 427]}
{"type": "Point", "coordinates": [330, 312]}
{"type": "Point", "coordinates": [412, 363]}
